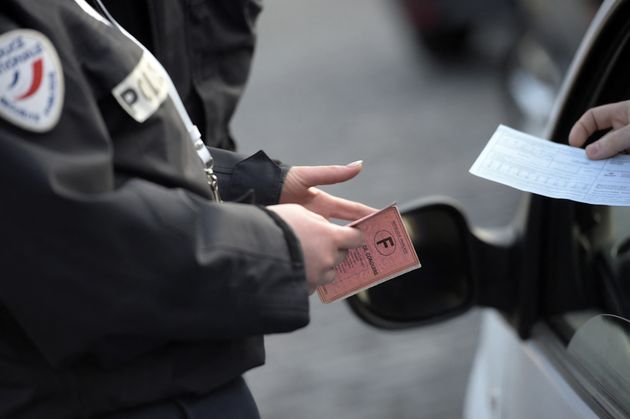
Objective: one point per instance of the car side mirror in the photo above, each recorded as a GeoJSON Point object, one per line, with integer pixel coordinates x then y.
{"type": "Point", "coordinates": [441, 288]}
{"type": "Point", "coordinates": [460, 268]}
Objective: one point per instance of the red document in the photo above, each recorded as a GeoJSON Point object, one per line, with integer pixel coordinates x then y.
{"type": "Point", "coordinates": [387, 253]}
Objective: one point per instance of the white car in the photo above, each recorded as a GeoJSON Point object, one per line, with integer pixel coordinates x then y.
{"type": "Point", "coordinates": [556, 343]}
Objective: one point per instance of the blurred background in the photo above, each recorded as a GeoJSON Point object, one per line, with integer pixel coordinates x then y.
{"type": "Point", "coordinates": [415, 88]}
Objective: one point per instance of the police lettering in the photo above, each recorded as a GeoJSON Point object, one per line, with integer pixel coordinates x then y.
{"type": "Point", "coordinates": [142, 92]}
{"type": "Point", "coordinates": [129, 96]}
{"type": "Point", "coordinates": [14, 45]}
{"type": "Point", "coordinates": [18, 111]}
{"type": "Point", "coordinates": [11, 62]}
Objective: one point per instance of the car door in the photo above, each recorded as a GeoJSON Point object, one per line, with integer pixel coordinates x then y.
{"type": "Point", "coordinates": [558, 276]}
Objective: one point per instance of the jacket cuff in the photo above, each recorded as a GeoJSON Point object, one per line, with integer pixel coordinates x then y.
{"type": "Point", "coordinates": [280, 315]}
{"type": "Point", "coordinates": [256, 176]}
{"type": "Point", "coordinates": [295, 249]}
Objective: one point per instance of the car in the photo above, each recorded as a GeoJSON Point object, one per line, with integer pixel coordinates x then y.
{"type": "Point", "coordinates": [555, 282]}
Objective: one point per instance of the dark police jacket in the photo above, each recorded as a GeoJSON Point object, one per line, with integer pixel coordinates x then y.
{"type": "Point", "coordinates": [205, 45]}
{"type": "Point", "coordinates": [121, 282]}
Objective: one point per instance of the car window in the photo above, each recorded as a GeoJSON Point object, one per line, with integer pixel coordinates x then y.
{"type": "Point", "coordinates": [601, 347]}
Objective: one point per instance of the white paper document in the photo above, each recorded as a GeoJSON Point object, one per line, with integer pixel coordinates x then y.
{"type": "Point", "coordinates": [555, 170]}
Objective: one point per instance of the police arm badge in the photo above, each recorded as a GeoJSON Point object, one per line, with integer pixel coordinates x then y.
{"type": "Point", "coordinates": [31, 80]}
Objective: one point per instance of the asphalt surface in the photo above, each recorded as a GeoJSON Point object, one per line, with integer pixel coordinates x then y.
{"type": "Point", "coordinates": [336, 81]}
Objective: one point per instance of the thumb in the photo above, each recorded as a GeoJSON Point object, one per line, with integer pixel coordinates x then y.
{"type": "Point", "coordinates": [350, 237]}
{"type": "Point", "coordinates": [327, 175]}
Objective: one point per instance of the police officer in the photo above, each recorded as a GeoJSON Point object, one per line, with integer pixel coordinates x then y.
{"type": "Point", "coordinates": [127, 290]}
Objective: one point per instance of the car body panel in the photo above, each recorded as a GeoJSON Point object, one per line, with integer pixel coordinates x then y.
{"type": "Point", "coordinates": [514, 379]}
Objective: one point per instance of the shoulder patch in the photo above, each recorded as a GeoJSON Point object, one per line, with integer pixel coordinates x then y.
{"type": "Point", "coordinates": [31, 80]}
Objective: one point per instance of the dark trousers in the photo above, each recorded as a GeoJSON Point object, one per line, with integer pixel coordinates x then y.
{"type": "Point", "coordinates": [232, 401]}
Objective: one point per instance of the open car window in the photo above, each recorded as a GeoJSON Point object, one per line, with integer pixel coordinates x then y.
{"type": "Point", "coordinates": [601, 348]}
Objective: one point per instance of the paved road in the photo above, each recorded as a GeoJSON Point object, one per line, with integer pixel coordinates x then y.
{"type": "Point", "coordinates": [336, 81]}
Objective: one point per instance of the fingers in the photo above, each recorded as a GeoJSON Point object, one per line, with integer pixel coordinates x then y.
{"type": "Point", "coordinates": [610, 144]}
{"type": "Point", "coordinates": [326, 175]}
{"type": "Point", "coordinates": [613, 115]}
{"type": "Point", "coordinates": [344, 209]}
{"type": "Point", "coordinates": [331, 206]}
{"type": "Point", "coordinates": [344, 238]}
{"type": "Point", "coordinates": [341, 256]}
{"type": "Point", "coordinates": [589, 123]}
{"type": "Point", "coordinates": [596, 119]}
{"type": "Point", "coordinates": [324, 244]}
{"type": "Point", "coordinates": [329, 273]}
{"type": "Point", "coordinates": [328, 277]}
{"type": "Point", "coordinates": [349, 237]}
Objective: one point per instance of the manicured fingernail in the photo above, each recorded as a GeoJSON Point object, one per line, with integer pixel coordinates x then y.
{"type": "Point", "coordinates": [592, 150]}
{"type": "Point", "coordinates": [355, 163]}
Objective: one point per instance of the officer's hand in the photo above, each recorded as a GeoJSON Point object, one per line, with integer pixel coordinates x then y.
{"type": "Point", "coordinates": [324, 244]}
{"type": "Point", "coordinates": [299, 188]}
{"type": "Point", "coordinates": [615, 116]}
